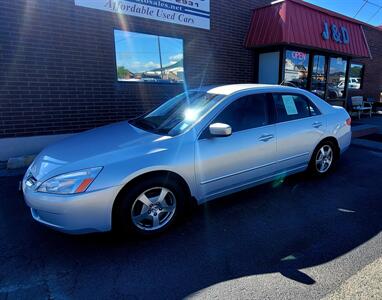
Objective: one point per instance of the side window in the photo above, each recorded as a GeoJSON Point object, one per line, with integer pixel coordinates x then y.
{"type": "Point", "coordinates": [292, 107]}
{"type": "Point", "coordinates": [313, 110]}
{"type": "Point", "coordinates": [245, 113]}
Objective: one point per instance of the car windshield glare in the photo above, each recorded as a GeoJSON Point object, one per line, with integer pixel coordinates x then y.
{"type": "Point", "coordinates": [178, 114]}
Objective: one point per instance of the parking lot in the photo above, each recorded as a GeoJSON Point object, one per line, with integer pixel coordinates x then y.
{"type": "Point", "coordinates": [296, 238]}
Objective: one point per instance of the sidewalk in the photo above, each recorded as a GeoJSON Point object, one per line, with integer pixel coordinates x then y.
{"type": "Point", "coordinates": [375, 120]}
{"type": "Point", "coordinates": [367, 132]}
{"type": "Point", "coordinates": [366, 284]}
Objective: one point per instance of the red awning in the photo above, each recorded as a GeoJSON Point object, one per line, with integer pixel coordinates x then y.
{"type": "Point", "coordinates": [297, 23]}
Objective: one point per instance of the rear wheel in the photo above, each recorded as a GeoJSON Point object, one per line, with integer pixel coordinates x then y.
{"type": "Point", "coordinates": [324, 158]}
{"type": "Point", "coordinates": [150, 206]}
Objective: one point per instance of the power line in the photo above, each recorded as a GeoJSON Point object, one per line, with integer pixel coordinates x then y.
{"type": "Point", "coordinates": [375, 4]}
{"type": "Point", "coordinates": [362, 6]}
{"type": "Point", "coordinates": [376, 13]}
{"type": "Point", "coordinates": [370, 3]}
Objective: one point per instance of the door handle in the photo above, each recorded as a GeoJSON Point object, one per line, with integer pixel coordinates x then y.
{"type": "Point", "coordinates": [266, 137]}
{"type": "Point", "coordinates": [317, 124]}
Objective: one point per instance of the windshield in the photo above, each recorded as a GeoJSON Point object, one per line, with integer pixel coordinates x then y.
{"type": "Point", "coordinates": [177, 114]}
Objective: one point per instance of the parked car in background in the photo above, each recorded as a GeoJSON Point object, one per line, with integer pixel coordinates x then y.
{"type": "Point", "coordinates": [354, 83]}
{"type": "Point", "coordinates": [139, 176]}
{"type": "Point", "coordinates": [336, 91]}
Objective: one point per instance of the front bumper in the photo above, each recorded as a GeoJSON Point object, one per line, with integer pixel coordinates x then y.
{"type": "Point", "coordinates": [79, 213]}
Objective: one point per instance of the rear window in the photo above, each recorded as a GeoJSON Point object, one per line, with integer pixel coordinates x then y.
{"type": "Point", "coordinates": [292, 107]}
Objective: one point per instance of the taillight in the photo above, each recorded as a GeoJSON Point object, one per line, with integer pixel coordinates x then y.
{"type": "Point", "coordinates": [348, 121]}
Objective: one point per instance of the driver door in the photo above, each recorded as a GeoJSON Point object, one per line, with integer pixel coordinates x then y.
{"type": "Point", "coordinates": [224, 164]}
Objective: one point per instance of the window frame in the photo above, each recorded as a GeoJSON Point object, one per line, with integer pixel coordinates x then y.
{"type": "Point", "coordinates": [346, 81]}
{"type": "Point", "coordinates": [121, 83]}
{"type": "Point", "coordinates": [362, 74]}
{"type": "Point", "coordinates": [309, 102]}
{"type": "Point", "coordinates": [306, 52]}
{"type": "Point", "coordinates": [204, 132]}
{"type": "Point", "coordinates": [326, 68]}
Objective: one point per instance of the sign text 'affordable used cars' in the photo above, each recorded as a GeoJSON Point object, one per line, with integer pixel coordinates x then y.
{"type": "Point", "coordinates": [195, 13]}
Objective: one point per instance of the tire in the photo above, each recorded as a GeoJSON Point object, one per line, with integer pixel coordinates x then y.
{"type": "Point", "coordinates": [150, 206]}
{"type": "Point", "coordinates": [324, 159]}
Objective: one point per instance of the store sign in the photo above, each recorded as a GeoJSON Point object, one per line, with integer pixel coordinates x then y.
{"type": "Point", "coordinates": [338, 34]}
{"type": "Point", "coordinates": [299, 55]}
{"type": "Point", "coordinates": [194, 13]}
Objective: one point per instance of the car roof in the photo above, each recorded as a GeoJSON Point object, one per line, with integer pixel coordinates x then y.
{"type": "Point", "coordinates": [228, 90]}
{"type": "Point", "coordinates": [234, 88]}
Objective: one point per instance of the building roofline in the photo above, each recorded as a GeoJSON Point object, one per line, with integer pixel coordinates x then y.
{"type": "Point", "coordinates": [323, 10]}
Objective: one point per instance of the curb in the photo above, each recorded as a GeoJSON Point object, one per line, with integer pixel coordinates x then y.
{"type": "Point", "coordinates": [370, 145]}
{"type": "Point", "coordinates": [20, 162]}
{"type": "Point", "coordinates": [12, 173]}
{"type": "Point", "coordinates": [362, 130]}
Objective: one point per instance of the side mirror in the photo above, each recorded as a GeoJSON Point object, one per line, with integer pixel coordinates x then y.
{"type": "Point", "coordinates": [220, 129]}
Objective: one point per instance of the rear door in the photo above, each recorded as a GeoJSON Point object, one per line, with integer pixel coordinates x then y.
{"type": "Point", "coordinates": [299, 128]}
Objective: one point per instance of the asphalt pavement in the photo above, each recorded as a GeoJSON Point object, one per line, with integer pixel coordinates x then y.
{"type": "Point", "coordinates": [297, 238]}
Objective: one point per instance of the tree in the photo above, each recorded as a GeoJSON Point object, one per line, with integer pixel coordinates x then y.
{"type": "Point", "coordinates": [123, 73]}
{"type": "Point", "coordinates": [355, 71]}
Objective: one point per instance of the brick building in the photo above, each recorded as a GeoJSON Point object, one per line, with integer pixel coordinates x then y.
{"type": "Point", "coordinates": [372, 79]}
{"type": "Point", "coordinates": [71, 65]}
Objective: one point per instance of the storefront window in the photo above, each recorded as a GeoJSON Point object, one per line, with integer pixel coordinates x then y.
{"type": "Point", "coordinates": [296, 68]}
{"type": "Point", "coordinates": [336, 78]}
{"type": "Point", "coordinates": [355, 76]}
{"type": "Point", "coordinates": [148, 58]}
{"type": "Point", "coordinates": [319, 75]}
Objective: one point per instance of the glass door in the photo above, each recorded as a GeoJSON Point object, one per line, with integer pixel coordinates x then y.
{"type": "Point", "coordinates": [337, 78]}
{"type": "Point", "coordinates": [296, 67]}
{"type": "Point", "coordinates": [318, 83]}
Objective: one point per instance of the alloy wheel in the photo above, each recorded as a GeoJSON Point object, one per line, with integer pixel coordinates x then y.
{"type": "Point", "coordinates": [324, 159]}
{"type": "Point", "coordinates": [153, 209]}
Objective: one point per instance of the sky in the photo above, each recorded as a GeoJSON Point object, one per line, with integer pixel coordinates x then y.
{"type": "Point", "coordinates": [370, 13]}
{"type": "Point", "coordinates": [140, 52]}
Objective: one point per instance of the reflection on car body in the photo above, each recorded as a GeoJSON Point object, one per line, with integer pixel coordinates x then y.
{"type": "Point", "coordinates": [139, 176]}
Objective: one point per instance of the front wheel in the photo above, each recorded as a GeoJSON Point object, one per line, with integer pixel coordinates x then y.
{"type": "Point", "coordinates": [150, 206]}
{"type": "Point", "coordinates": [324, 158]}
{"type": "Point", "coordinates": [153, 209]}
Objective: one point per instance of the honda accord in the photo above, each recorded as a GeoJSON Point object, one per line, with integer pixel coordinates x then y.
{"type": "Point", "coordinates": [139, 176]}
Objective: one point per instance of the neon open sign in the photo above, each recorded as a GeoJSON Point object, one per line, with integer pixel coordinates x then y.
{"type": "Point", "coordinates": [298, 55]}
{"type": "Point", "coordinates": [338, 34]}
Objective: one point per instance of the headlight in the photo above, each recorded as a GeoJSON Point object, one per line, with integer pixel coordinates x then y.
{"type": "Point", "coordinates": [70, 183]}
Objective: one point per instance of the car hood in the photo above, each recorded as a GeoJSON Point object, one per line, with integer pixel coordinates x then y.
{"type": "Point", "coordinates": [91, 148]}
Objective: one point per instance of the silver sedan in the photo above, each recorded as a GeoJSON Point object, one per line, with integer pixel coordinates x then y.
{"type": "Point", "coordinates": [139, 176]}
